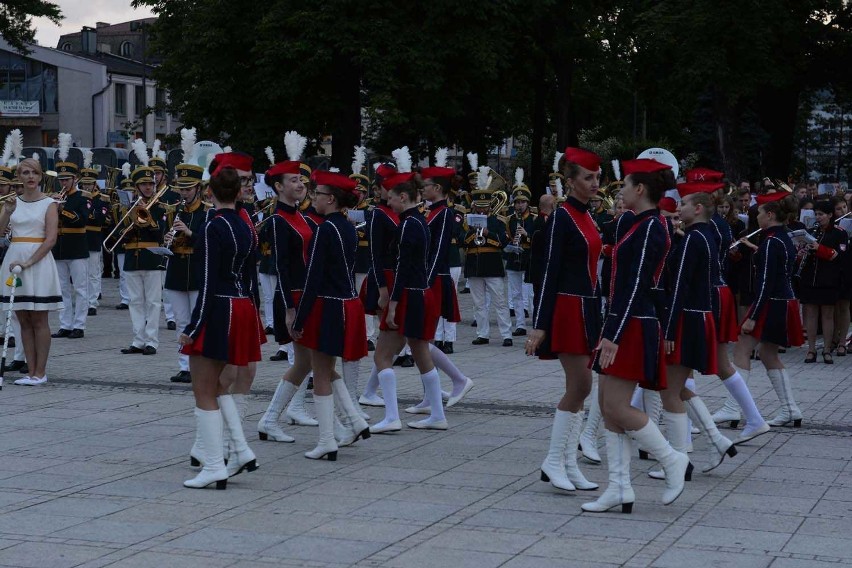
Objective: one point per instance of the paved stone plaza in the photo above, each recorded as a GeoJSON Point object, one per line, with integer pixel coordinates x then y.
{"type": "Point", "coordinates": [93, 465]}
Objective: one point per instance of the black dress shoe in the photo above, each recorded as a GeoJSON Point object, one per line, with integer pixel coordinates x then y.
{"type": "Point", "coordinates": [407, 361]}
{"type": "Point", "coordinates": [93, 311]}
{"type": "Point", "coordinates": [15, 366]}
{"type": "Point", "coordinates": [61, 333]}
{"type": "Point", "coordinates": [181, 377]}
{"type": "Point", "coordinates": [439, 344]}
{"type": "Point", "coordinates": [76, 334]}
{"type": "Point", "coordinates": [371, 346]}
{"type": "Point", "coordinates": [149, 350]}
{"type": "Point", "coordinates": [512, 312]}
{"type": "Point", "coordinates": [448, 347]}
{"type": "Point", "coordinates": [507, 342]}
{"type": "Point", "coordinates": [268, 330]}
{"type": "Point", "coordinates": [519, 332]}
{"type": "Point", "coordinates": [171, 326]}
{"type": "Point", "coordinates": [473, 323]}
{"type": "Point", "coordinates": [131, 350]}
{"type": "Point", "coordinates": [100, 296]}
{"type": "Point", "coordinates": [279, 356]}
{"type": "Point", "coordinates": [122, 306]}
{"type": "Point", "coordinates": [480, 341]}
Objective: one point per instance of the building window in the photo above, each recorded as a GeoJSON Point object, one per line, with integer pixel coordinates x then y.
{"type": "Point", "coordinates": [126, 49]}
{"type": "Point", "coordinates": [120, 99]}
{"type": "Point", "coordinates": [139, 101]}
{"type": "Point", "coordinates": [66, 46]}
{"type": "Point", "coordinates": [161, 103]}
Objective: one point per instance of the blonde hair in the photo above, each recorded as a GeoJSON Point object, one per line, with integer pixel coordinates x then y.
{"type": "Point", "coordinates": [34, 164]}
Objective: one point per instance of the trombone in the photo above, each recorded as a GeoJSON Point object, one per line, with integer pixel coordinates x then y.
{"type": "Point", "coordinates": [138, 214]}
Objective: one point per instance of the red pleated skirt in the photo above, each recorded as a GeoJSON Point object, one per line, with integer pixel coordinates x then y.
{"type": "Point", "coordinates": [239, 344]}
{"type": "Point", "coordinates": [417, 314]}
{"type": "Point", "coordinates": [444, 290]}
{"type": "Point", "coordinates": [695, 343]}
{"type": "Point", "coordinates": [780, 322]}
{"type": "Point", "coordinates": [337, 328]}
{"type": "Point", "coordinates": [727, 326]}
{"type": "Point", "coordinates": [640, 357]}
{"type": "Point", "coordinates": [369, 294]}
{"type": "Point", "coordinates": [568, 331]}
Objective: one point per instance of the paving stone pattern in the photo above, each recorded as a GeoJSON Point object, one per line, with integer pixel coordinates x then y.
{"type": "Point", "coordinates": [93, 465]}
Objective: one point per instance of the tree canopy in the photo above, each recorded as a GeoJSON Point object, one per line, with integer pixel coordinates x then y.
{"type": "Point", "coordinates": [16, 24]}
{"type": "Point", "coordinates": [722, 78]}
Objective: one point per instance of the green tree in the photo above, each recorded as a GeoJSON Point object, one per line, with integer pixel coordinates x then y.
{"type": "Point", "coordinates": [16, 20]}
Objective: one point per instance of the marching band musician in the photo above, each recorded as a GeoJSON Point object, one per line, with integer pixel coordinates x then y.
{"type": "Point", "coordinates": [267, 278]}
{"type": "Point", "coordinates": [143, 267]}
{"type": "Point", "coordinates": [724, 308]}
{"type": "Point", "coordinates": [18, 362]}
{"type": "Point", "coordinates": [188, 217]}
{"type": "Point", "coordinates": [409, 310]}
{"type": "Point", "coordinates": [535, 271]}
{"type": "Point", "coordinates": [484, 264]}
{"type": "Point", "coordinates": [773, 319]}
{"type": "Point", "coordinates": [521, 227]}
{"type": "Point", "coordinates": [72, 249]}
{"type": "Point", "coordinates": [819, 276]}
{"type": "Point", "coordinates": [445, 333]}
{"type": "Point", "coordinates": [382, 227]}
{"type": "Point", "coordinates": [362, 257]}
{"type": "Point", "coordinates": [225, 328]}
{"type": "Point", "coordinates": [631, 345]}
{"type": "Point", "coordinates": [291, 237]}
{"type": "Point", "coordinates": [116, 212]}
{"type": "Point", "coordinates": [98, 218]}
{"type": "Point", "coordinates": [566, 321]}
{"type": "Point", "coordinates": [329, 320]}
{"type": "Point", "coordinates": [690, 328]}
{"type": "Point", "coordinates": [168, 196]}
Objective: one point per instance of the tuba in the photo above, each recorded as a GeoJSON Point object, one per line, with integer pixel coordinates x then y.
{"type": "Point", "coordinates": [498, 201]}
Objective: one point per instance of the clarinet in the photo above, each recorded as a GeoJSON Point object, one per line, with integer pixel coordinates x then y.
{"type": "Point", "coordinates": [172, 232]}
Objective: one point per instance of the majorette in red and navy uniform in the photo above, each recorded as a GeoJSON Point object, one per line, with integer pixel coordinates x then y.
{"type": "Point", "coordinates": [417, 311]}
{"type": "Point", "coordinates": [689, 320]}
{"type": "Point", "coordinates": [775, 309]}
{"type": "Point", "coordinates": [382, 230]}
{"type": "Point", "coordinates": [637, 296]}
{"type": "Point", "coordinates": [440, 220]}
{"type": "Point", "coordinates": [225, 323]}
{"type": "Point", "coordinates": [569, 304]}
{"type": "Point", "coordinates": [330, 314]}
{"type": "Point", "coordinates": [291, 235]}
{"type": "Point", "coordinates": [724, 303]}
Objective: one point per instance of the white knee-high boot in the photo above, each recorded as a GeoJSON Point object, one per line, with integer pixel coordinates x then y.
{"type": "Point", "coordinates": [356, 427]}
{"type": "Point", "coordinates": [209, 425]}
{"type": "Point", "coordinates": [653, 407]}
{"type": "Point", "coordinates": [618, 491]}
{"type": "Point", "coordinates": [296, 411]}
{"type": "Point", "coordinates": [241, 457]}
{"type": "Point", "coordinates": [326, 447]}
{"type": "Point", "coordinates": [718, 446]}
{"type": "Point", "coordinates": [351, 376]}
{"type": "Point", "coordinates": [553, 467]}
{"type": "Point", "coordinates": [268, 428]}
{"type": "Point", "coordinates": [675, 464]}
{"type": "Point", "coordinates": [589, 437]}
{"type": "Point", "coordinates": [789, 411]}
{"type": "Point", "coordinates": [572, 470]}
{"type": "Point", "coordinates": [730, 411]}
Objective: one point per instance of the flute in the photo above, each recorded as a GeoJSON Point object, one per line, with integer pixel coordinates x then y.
{"type": "Point", "coordinates": [741, 239]}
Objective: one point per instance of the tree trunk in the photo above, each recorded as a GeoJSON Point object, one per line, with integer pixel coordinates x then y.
{"type": "Point", "coordinates": [777, 109]}
{"type": "Point", "coordinates": [566, 130]}
{"type": "Point", "coordinates": [346, 119]}
{"type": "Point", "coordinates": [539, 122]}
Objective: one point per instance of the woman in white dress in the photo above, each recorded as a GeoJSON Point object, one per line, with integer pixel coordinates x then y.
{"type": "Point", "coordinates": [34, 220]}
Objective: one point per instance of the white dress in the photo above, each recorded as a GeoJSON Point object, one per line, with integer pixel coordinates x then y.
{"type": "Point", "coordinates": [39, 290]}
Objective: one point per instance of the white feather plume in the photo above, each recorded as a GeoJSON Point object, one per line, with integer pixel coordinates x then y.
{"type": "Point", "coordinates": [65, 141]}
{"type": "Point", "coordinates": [188, 137]}
{"type": "Point", "coordinates": [125, 169]}
{"type": "Point", "coordinates": [17, 144]}
{"type": "Point", "coordinates": [7, 150]}
{"type": "Point", "coordinates": [270, 155]}
{"type": "Point", "coordinates": [483, 177]}
{"type": "Point", "coordinates": [88, 156]}
{"type": "Point", "coordinates": [616, 169]}
{"type": "Point", "coordinates": [334, 170]}
{"type": "Point", "coordinates": [402, 157]}
{"type": "Point", "coordinates": [141, 151]}
{"type": "Point", "coordinates": [441, 155]}
{"type": "Point", "coordinates": [519, 176]}
{"type": "Point", "coordinates": [294, 145]}
{"type": "Point", "coordinates": [161, 154]}
{"type": "Point", "coordinates": [556, 159]}
{"type": "Point", "coordinates": [559, 192]}
{"type": "Point", "coordinates": [35, 156]}
{"type": "Point", "coordinates": [155, 149]}
{"type": "Point", "coordinates": [227, 150]}
{"type": "Point", "coordinates": [358, 159]}
{"type": "Point", "coordinates": [473, 160]}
